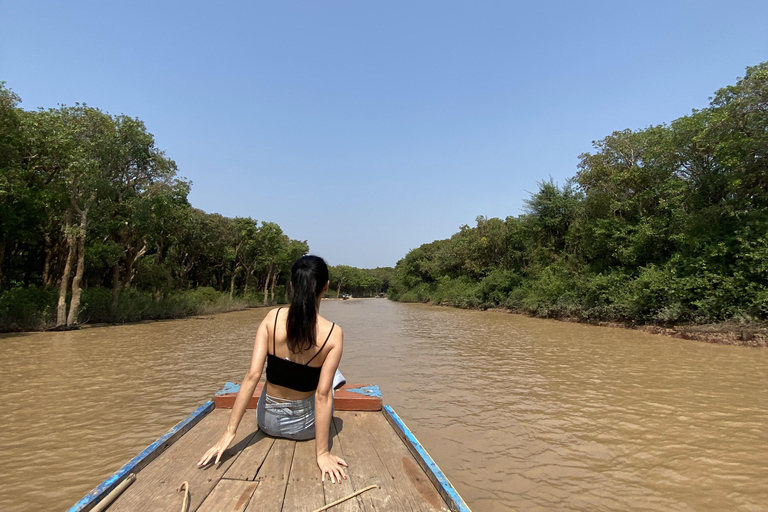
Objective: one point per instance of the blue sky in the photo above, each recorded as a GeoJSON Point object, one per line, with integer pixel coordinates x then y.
{"type": "Point", "coordinates": [368, 128]}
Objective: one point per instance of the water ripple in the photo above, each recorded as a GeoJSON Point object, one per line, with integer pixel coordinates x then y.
{"type": "Point", "coordinates": [521, 414]}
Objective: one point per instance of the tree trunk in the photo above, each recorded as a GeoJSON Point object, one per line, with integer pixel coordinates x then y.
{"type": "Point", "coordinates": [2, 258]}
{"type": "Point", "coordinates": [338, 290]}
{"type": "Point", "coordinates": [48, 258]}
{"type": "Point", "coordinates": [266, 283]}
{"type": "Point", "coordinates": [131, 265]}
{"type": "Point", "coordinates": [220, 280]}
{"type": "Point", "coordinates": [272, 288]}
{"type": "Point", "coordinates": [74, 305]}
{"type": "Point", "coordinates": [232, 283]}
{"type": "Point", "coordinates": [61, 311]}
{"type": "Point", "coordinates": [116, 289]}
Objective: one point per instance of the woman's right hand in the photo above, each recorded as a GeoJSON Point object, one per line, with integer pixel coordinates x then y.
{"type": "Point", "coordinates": [217, 450]}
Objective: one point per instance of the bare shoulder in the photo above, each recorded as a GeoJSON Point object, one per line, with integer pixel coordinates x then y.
{"type": "Point", "coordinates": [270, 317]}
{"type": "Point", "coordinates": [271, 314]}
{"type": "Point", "coordinates": [336, 334]}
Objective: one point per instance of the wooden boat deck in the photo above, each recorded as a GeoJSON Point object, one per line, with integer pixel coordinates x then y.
{"type": "Point", "coordinates": [260, 473]}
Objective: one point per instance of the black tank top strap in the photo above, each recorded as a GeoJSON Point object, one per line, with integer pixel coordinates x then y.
{"type": "Point", "coordinates": [323, 346]}
{"type": "Point", "coordinates": [274, 331]}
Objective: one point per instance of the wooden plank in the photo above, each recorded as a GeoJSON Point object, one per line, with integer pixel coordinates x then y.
{"type": "Point", "coordinates": [408, 476]}
{"type": "Point", "coordinates": [365, 466]}
{"type": "Point", "coordinates": [250, 460]}
{"type": "Point", "coordinates": [273, 478]}
{"type": "Point", "coordinates": [335, 492]}
{"type": "Point", "coordinates": [452, 498]}
{"type": "Point", "coordinates": [149, 454]}
{"type": "Point", "coordinates": [305, 490]}
{"type": "Point", "coordinates": [229, 496]}
{"type": "Point", "coordinates": [351, 397]}
{"type": "Point", "coordinates": [156, 485]}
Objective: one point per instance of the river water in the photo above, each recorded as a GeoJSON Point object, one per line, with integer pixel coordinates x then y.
{"type": "Point", "coordinates": [520, 413]}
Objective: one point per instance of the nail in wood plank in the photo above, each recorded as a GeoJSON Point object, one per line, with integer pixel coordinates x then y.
{"type": "Point", "coordinates": [273, 478]}
{"type": "Point", "coordinates": [305, 490]}
{"type": "Point", "coordinates": [249, 462]}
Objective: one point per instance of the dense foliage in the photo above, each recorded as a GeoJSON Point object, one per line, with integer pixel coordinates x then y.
{"type": "Point", "coordinates": [359, 282]}
{"type": "Point", "coordinates": [96, 226]}
{"type": "Point", "coordinates": [667, 224]}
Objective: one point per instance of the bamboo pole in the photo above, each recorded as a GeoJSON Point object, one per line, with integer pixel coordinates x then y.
{"type": "Point", "coordinates": [109, 498]}
{"type": "Point", "coordinates": [342, 500]}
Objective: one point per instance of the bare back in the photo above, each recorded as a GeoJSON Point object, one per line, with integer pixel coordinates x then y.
{"type": "Point", "coordinates": [328, 337]}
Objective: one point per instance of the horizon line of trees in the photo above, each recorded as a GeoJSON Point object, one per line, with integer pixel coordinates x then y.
{"type": "Point", "coordinates": [87, 201]}
{"type": "Point", "coordinates": [359, 282]}
{"type": "Point", "coordinates": [95, 225]}
{"type": "Point", "coordinates": [666, 224]}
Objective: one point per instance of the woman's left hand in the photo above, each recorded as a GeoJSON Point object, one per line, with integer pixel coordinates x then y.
{"type": "Point", "coordinates": [333, 466]}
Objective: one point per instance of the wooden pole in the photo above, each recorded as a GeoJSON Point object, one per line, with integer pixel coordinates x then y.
{"type": "Point", "coordinates": [342, 500]}
{"type": "Point", "coordinates": [109, 498]}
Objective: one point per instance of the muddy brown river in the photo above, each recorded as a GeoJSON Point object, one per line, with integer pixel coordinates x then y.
{"type": "Point", "coordinates": [521, 414]}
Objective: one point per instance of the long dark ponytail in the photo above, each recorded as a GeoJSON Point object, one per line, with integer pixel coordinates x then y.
{"type": "Point", "coordinates": [308, 277]}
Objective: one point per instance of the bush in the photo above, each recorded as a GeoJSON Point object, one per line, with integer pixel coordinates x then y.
{"type": "Point", "coordinates": [495, 288]}
{"type": "Point", "coordinates": [204, 294]}
{"type": "Point", "coordinates": [551, 293]}
{"type": "Point", "coordinates": [459, 292]}
{"type": "Point", "coordinates": [28, 308]}
{"type": "Point", "coordinates": [95, 305]}
{"type": "Point", "coordinates": [603, 296]}
{"type": "Point", "coordinates": [419, 293]}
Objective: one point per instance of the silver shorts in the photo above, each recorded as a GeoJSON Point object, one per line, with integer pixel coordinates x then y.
{"type": "Point", "coordinates": [291, 419]}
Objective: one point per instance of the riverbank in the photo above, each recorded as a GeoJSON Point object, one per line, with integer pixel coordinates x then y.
{"type": "Point", "coordinates": [725, 333]}
{"type": "Point", "coordinates": [34, 309]}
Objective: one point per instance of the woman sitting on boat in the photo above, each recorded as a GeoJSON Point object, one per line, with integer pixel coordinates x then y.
{"type": "Point", "coordinates": [302, 350]}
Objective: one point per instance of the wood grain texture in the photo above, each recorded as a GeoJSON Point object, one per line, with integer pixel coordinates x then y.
{"type": "Point", "coordinates": [260, 473]}
{"type": "Point", "coordinates": [250, 460]}
{"type": "Point", "coordinates": [409, 477]}
{"type": "Point", "coordinates": [229, 496]}
{"type": "Point", "coordinates": [337, 491]}
{"type": "Point", "coordinates": [305, 490]}
{"type": "Point", "coordinates": [156, 485]}
{"type": "Point", "coordinates": [365, 467]}
{"type": "Point", "coordinates": [273, 478]}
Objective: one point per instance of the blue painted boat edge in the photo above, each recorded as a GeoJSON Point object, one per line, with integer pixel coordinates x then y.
{"type": "Point", "coordinates": [110, 483]}
{"type": "Point", "coordinates": [366, 390]}
{"type": "Point", "coordinates": [449, 493]}
{"type": "Point", "coordinates": [229, 387]}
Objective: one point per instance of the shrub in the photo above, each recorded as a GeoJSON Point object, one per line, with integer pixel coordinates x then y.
{"type": "Point", "coordinates": [552, 292]}
{"type": "Point", "coordinates": [27, 308]}
{"type": "Point", "coordinates": [96, 305]}
{"type": "Point", "coordinates": [495, 288]}
{"type": "Point", "coordinates": [459, 292]}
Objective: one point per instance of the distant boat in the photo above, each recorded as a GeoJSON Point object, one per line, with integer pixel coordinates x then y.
{"type": "Point", "coordinates": [346, 296]}
{"type": "Point", "coordinates": [388, 467]}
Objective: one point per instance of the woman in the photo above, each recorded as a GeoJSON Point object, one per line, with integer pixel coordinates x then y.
{"type": "Point", "coordinates": [302, 350]}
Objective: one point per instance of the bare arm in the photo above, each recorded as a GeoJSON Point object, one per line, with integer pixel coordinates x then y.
{"type": "Point", "coordinates": [247, 387]}
{"type": "Point", "coordinates": [327, 462]}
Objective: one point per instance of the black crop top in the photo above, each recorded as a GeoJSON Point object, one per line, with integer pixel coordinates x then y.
{"type": "Point", "coordinates": [292, 375]}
